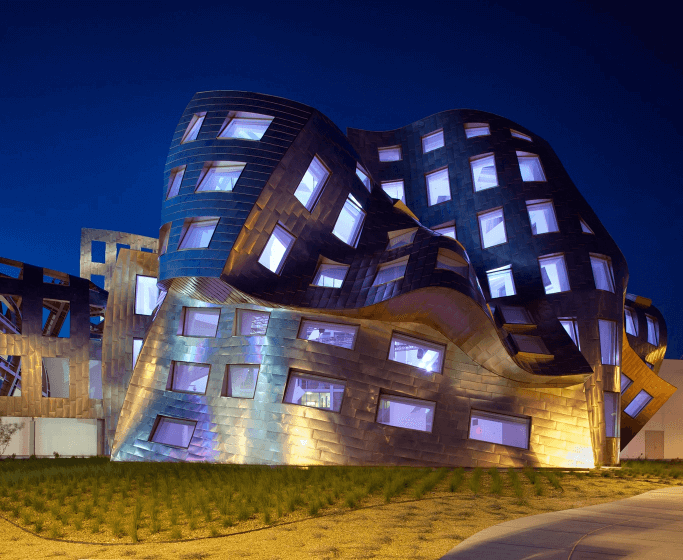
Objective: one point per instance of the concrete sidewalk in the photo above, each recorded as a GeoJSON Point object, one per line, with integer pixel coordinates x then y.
{"type": "Point", "coordinates": [646, 526]}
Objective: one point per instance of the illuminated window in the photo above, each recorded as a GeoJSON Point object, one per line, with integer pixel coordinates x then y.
{"type": "Point", "coordinates": [652, 330]}
{"type": "Point", "coordinates": [541, 216]}
{"type": "Point", "coordinates": [198, 233]}
{"type": "Point", "coordinates": [636, 406]}
{"type": "Point", "coordinates": [137, 348]}
{"type": "Point", "coordinates": [476, 129]}
{"type": "Point", "coordinates": [500, 428]}
{"type": "Point", "coordinates": [501, 283]}
{"type": "Point", "coordinates": [395, 189]}
{"type": "Point", "coordinates": [571, 326]}
{"type": "Point", "coordinates": [400, 238]}
{"type": "Point", "coordinates": [484, 172]}
{"type": "Point", "coordinates": [95, 378]}
{"type": "Point", "coordinates": [608, 343]}
{"type": "Point", "coordinates": [450, 260]}
{"type": "Point", "coordinates": [415, 352]}
{"type": "Point", "coordinates": [612, 412]}
{"type": "Point", "coordinates": [602, 273]}
{"type": "Point", "coordinates": [350, 222]}
{"type": "Point", "coordinates": [335, 334]}
{"type": "Point", "coordinates": [625, 382]}
{"type": "Point", "coordinates": [516, 134]}
{"type": "Point", "coordinates": [363, 176]}
{"type": "Point", "coordinates": [276, 250]}
{"type": "Point", "coordinates": [146, 294]}
{"type": "Point", "coordinates": [530, 167]}
{"type": "Point", "coordinates": [390, 153]}
{"type": "Point", "coordinates": [438, 187]}
{"type": "Point", "coordinates": [314, 391]}
{"type": "Point", "coordinates": [585, 228]}
{"type": "Point", "coordinates": [251, 323]}
{"type": "Point", "coordinates": [174, 181]}
{"type": "Point", "coordinates": [404, 412]}
{"type": "Point", "coordinates": [630, 321]}
{"type": "Point", "coordinates": [432, 141]}
{"type": "Point", "coordinates": [199, 321]}
{"type": "Point", "coordinates": [330, 274]}
{"type": "Point", "coordinates": [446, 231]}
{"type": "Point", "coordinates": [192, 129]}
{"type": "Point", "coordinates": [246, 126]}
{"type": "Point", "coordinates": [187, 377]}
{"type": "Point", "coordinates": [492, 228]}
{"type": "Point", "coordinates": [554, 274]}
{"type": "Point", "coordinates": [164, 234]}
{"type": "Point", "coordinates": [174, 432]}
{"type": "Point", "coordinates": [312, 184]}
{"type": "Point", "coordinates": [240, 381]}
{"type": "Point", "coordinates": [391, 271]}
{"type": "Point", "coordinates": [220, 176]}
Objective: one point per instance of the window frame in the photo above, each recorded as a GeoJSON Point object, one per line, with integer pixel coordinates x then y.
{"type": "Point", "coordinates": [176, 172]}
{"type": "Point", "coordinates": [614, 352]}
{"type": "Point", "coordinates": [208, 170]}
{"type": "Point", "coordinates": [471, 126]}
{"type": "Point", "coordinates": [136, 294]}
{"type": "Point", "coordinates": [196, 118]}
{"type": "Point", "coordinates": [642, 407]}
{"type": "Point", "coordinates": [554, 258]}
{"type": "Point", "coordinates": [519, 419]}
{"type": "Point", "coordinates": [237, 321]}
{"type": "Point", "coordinates": [314, 377]}
{"type": "Point", "coordinates": [430, 135]}
{"type": "Point", "coordinates": [243, 115]}
{"type": "Point", "coordinates": [357, 227]}
{"type": "Point", "coordinates": [187, 227]}
{"type": "Point", "coordinates": [530, 156]}
{"type": "Point", "coordinates": [227, 385]}
{"type": "Point", "coordinates": [393, 182]}
{"type": "Point", "coordinates": [655, 330]}
{"type": "Point", "coordinates": [448, 182]}
{"type": "Point", "coordinates": [183, 322]}
{"type": "Point", "coordinates": [184, 421]}
{"type": "Point", "coordinates": [629, 382]}
{"type": "Point", "coordinates": [330, 264]}
{"type": "Point", "coordinates": [136, 355]}
{"type": "Point", "coordinates": [288, 249]}
{"type": "Point", "coordinates": [480, 157]}
{"type": "Point", "coordinates": [317, 192]}
{"type": "Point", "coordinates": [400, 399]}
{"type": "Point", "coordinates": [172, 377]}
{"type": "Point", "coordinates": [574, 327]}
{"type": "Point", "coordinates": [399, 234]}
{"type": "Point", "coordinates": [485, 213]}
{"type": "Point", "coordinates": [616, 428]}
{"type": "Point", "coordinates": [428, 344]}
{"type": "Point", "coordinates": [630, 313]}
{"type": "Point", "coordinates": [541, 203]}
{"type": "Point", "coordinates": [499, 270]}
{"type": "Point", "coordinates": [604, 258]}
{"type": "Point", "coordinates": [360, 170]}
{"type": "Point", "coordinates": [386, 149]}
{"type": "Point", "coordinates": [517, 134]}
{"type": "Point", "coordinates": [304, 320]}
{"type": "Point", "coordinates": [390, 264]}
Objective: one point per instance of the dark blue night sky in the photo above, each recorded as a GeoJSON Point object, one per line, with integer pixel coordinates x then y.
{"type": "Point", "coordinates": [93, 92]}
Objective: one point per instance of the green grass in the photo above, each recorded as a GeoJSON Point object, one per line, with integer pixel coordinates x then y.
{"type": "Point", "coordinates": [475, 480]}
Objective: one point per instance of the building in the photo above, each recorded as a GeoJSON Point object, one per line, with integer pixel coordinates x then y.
{"type": "Point", "coordinates": [439, 294]}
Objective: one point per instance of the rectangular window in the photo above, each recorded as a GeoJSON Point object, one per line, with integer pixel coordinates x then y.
{"type": "Point", "coordinates": [246, 126]}
{"type": "Point", "coordinates": [415, 352]}
{"type": "Point", "coordinates": [447, 231]}
{"type": "Point", "coordinates": [390, 153]}
{"type": "Point", "coordinates": [612, 412]}
{"type": "Point", "coordinates": [174, 181]}
{"type": "Point", "coordinates": [350, 222]}
{"type": "Point", "coordinates": [146, 294]}
{"type": "Point", "coordinates": [120, 246]}
{"type": "Point", "coordinates": [250, 323]}
{"type": "Point", "coordinates": [98, 280]}
{"type": "Point", "coordinates": [314, 391]}
{"type": "Point", "coordinates": [492, 228]}
{"type": "Point", "coordinates": [450, 260]}
{"type": "Point", "coordinates": [527, 344]}
{"type": "Point", "coordinates": [516, 134]}
{"type": "Point", "coordinates": [636, 406]}
{"type": "Point", "coordinates": [388, 272]}
{"type": "Point", "coordinates": [198, 233]}
{"type": "Point", "coordinates": [164, 234]}
{"type": "Point", "coordinates": [95, 379]}
{"type": "Point", "coordinates": [652, 330]}
{"type": "Point", "coordinates": [515, 315]}
{"type": "Point", "coordinates": [363, 176]}
{"type": "Point", "coordinates": [554, 274]}
{"type": "Point", "coordinates": [56, 378]}
{"type": "Point", "coordinates": [438, 187]}
{"type": "Point", "coordinates": [432, 141]}
{"type": "Point", "coordinates": [602, 273]}
{"type": "Point", "coordinates": [630, 321]}
{"type": "Point", "coordinates": [335, 334]}
{"type": "Point", "coordinates": [608, 343]}
{"type": "Point", "coordinates": [10, 376]}
{"type": "Point", "coordinates": [312, 183]}
{"type": "Point", "coordinates": [500, 428]}
{"type": "Point", "coordinates": [395, 189]}
{"type": "Point", "coordinates": [220, 176]}
{"type": "Point", "coordinates": [240, 381]}
{"type": "Point", "coordinates": [193, 127]}
{"type": "Point", "coordinates": [572, 327]}
{"type": "Point", "coordinates": [98, 250]}
{"type": "Point", "coordinates": [137, 348]}
{"type": "Point", "coordinates": [625, 382]}
{"type": "Point", "coordinates": [501, 283]}
{"type": "Point", "coordinates": [476, 129]}
{"type": "Point", "coordinates": [175, 432]}
{"type": "Point", "coordinates": [542, 216]}
{"type": "Point", "coordinates": [404, 412]}
{"type": "Point", "coordinates": [330, 274]}
{"type": "Point", "coordinates": [199, 321]}
{"type": "Point", "coordinates": [187, 377]}
{"type": "Point", "coordinates": [484, 172]}
{"type": "Point", "coordinates": [276, 250]}
{"type": "Point", "coordinates": [530, 167]}
{"type": "Point", "coordinates": [401, 238]}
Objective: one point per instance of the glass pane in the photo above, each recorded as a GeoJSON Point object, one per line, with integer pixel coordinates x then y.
{"type": "Point", "coordinates": [611, 414]}
{"type": "Point", "coordinates": [432, 141]}
{"type": "Point", "coordinates": [146, 294]}
{"type": "Point", "coordinates": [312, 183]}
{"type": "Point", "coordinates": [542, 218]}
{"type": "Point", "coordinates": [242, 382]}
{"type": "Point", "coordinates": [630, 321]}
{"type": "Point", "coordinates": [584, 227]}
{"type": "Point", "coordinates": [95, 377]}
{"type": "Point", "coordinates": [608, 342]}
{"type": "Point", "coordinates": [401, 240]}
{"type": "Point", "coordinates": [446, 231]}
{"type": "Point", "coordinates": [137, 347]}
{"type": "Point", "coordinates": [201, 321]}
{"type": "Point", "coordinates": [484, 173]}
{"type": "Point", "coordinates": [191, 378]}
{"type": "Point", "coordinates": [198, 234]}
{"type": "Point", "coordinates": [221, 178]}
{"type": "Point", "coordinates": [520, 135]}
{"type": "Point", "coordinates": [554, 274]}
{"type": "Point", "coordinates": [636, 406]}
{"type": "Point", "coordinates": [406, 413]}
{"type": "Point", "coordinates": [392, 153]}
{"type": "Point", "coordinates": [625, 382]}
{"type": "Point", "coordinates": [330, 275]}
{"type": "Point", "coordinates": [252, 322]}
{"type": "Point", "coordinates": [476, 129]}
{"type": "Point", "coordinates": [395, 189]}
{"type": "Point", "coordinates": [501, 283]}
{"type": "Point", "coordinates": [530, 167]}
{"type": "Point", "coordinates": [193, 128]}
{"type": "Point", "coordinates": [349, 222]}
{"type": "Point", "coordinates": [415, 352]}
{"type": "Point", "coordinates": [602, 273]}
{"type": "Point", "coordinates": [174, 182]}
{"type": "Point", "coordinates": [492, 226]}
{"type": "Point", "coordinates": [329, 333]}
{"type": "Point", "coordinates": [497, 428]}
{"type": "Point", "coordinates": [279, 244]}
{"type": "Point", "coordinates": [652, 330]}
{"type": "Point", "coordinates": [390, 272]}
{"type": "Point", "coordinates": [247, 129]}
{"type": "Point", "coordinates": [56, 376]}
{"type": "Point", "coordinates": [451, 264]}
{"type": "Point", "coordinates": [572, 329]}
{"type": "Point", "coordinates": [318, 392]}
{"type": "Point", "coordinates": [176, 432]}
{"type": "Point", "coordinates": [438, 187]}
{"type": "Point", "coordinates": [363, 178]}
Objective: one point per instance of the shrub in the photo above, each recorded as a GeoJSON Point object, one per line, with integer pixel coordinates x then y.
{"type": "Point", "coordinates": [457, 479]}
{"type": "Point", "coordinates": [38, 524]}
{"type": "Point", "coordinates": [475, 481]}
{"type": "Point", "coordinates": [227, 522]}
{"type": "Point", "coordinates": [428, 483]}
{"type": "Point", "coordinates": [314, 507]}
{"type": "Point", "coordinates": [55, 531]}
{"type": "Point", "coordinates": [78, 522]}
{"type": "Point", "coordinates": [496, 482]}
{"type": "Point", "coordinates": [516, 485]}
{"type": "Point", "coordinates": [176, 533]}
{"type": "Point", "coordinates": [554, 480]}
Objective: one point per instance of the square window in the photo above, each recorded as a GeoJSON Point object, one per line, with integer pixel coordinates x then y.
{"type": "Point", "coordinates": [335, 334]}
{"type": "Point", "coordinates": [450, 260]}
{"type": "Point", "coordinates": [542, 216]}
{"type": "Point", "coordinates": [95, 378]}
{"type": "Point", "coordinates": [438, 187]}
{"type": "Point", "coordinates": [501, 283]}
{"type": "Point", "coordinates": [388, 272]}
{"type": "Point", "coordinates": [554, 274]}
{"type": "Point", "coordinates": [198, 233]}
{"type": "Point", "coordinates": [174, 181]}
{"type": "Point", "coordinates": [98, 280]}
{"type": "Point", "coordinates": [250, 323]}
{"type": "Point", "coordinates": [416, 352]}
{"type": "Point", "coordinates": [492, 228]}
{"type": "Point", "coordinates": [636, 406]}
{"type": "Point", "coordinates": [192, 129]}
{"type": "Point", "coordinates": [602, 273]}
{"type": "Point", "coordinates": [401, 238]}
{"type": "Point", "coordinates": [446, 231]}
{"type": "Point", "coordinates": [220, 176]}
{"type": "Point", "coordinates": [390, 153]}
{"type": "Point", "coordinates": [276, 250]}
{"type": "Point", "coordinates": [245, 126]}
{"type": "Point", "coordinates": [137, 348]}
{"type": "Point", "coordinates": [608, 343]}
{"type": "Point", "coordinates": [330, 274]}
{"type": "Point", "coordinates": [120, 246]}
{"type": "Point", "coordinates": [55, 378]}
{"type": "Point", "coordinates": [187, 377]}
{"type": "Point", "coordinates": [404, 412]}
{"type": "Point", "coordinates": [612, 412]}
{"type": "Point", "coordinates": [625, 382]}
{"type": "Point", "coordinates": [572, 327]}
{"type": "Point", "coordinates": [350, 222]}
{"type": "Point", "coordinates": [199, 321]}
{"type": "Point", "coordinates": [500, 428]}
{"type": "Point", "coordinates": [146, 294]}
{"type": "Point", "coordinates": [174, 432]}
{"type": "Point", "coordinates": [652, 330]}
{"type": "Point", "coordinates": [516, 134]}
{"type": "Point", "coordinates": [395, 189]}
{"type": "Point", "coordinates": [432, 141]}
{"type": "Point", "coordinates": [530, 167]}
{"type": "Point", "coordinates": [363, 176]}
{"type": "Point", "coordinates": [240, 381]}
{"type": "Point", "coordinates": [56, 318]}
{"type": "Point", "coordinates": [484, 172]}
{"type": "Point", "coordinates": [314, 391]}
{"type": "Point", "coordinates": [310, 187]}
{"type": "Point", "coordinates": [630, 321]}
{"type": "Point", "coordinates": [98, 250]}
{"type": "Point", "coordinates": [476, 129]}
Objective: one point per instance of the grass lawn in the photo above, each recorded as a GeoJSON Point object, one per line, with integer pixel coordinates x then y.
{"type": "Point", "coordinates": [328, 512]}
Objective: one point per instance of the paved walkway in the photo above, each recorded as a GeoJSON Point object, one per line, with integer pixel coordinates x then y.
{"type": "Point", "coordinates": [648, 526]}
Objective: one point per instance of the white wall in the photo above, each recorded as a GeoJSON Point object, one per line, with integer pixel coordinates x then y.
{"type": "Point", "coordinates": [20, 442]}
{"type": "Point", "coordinates": [66, 436]}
